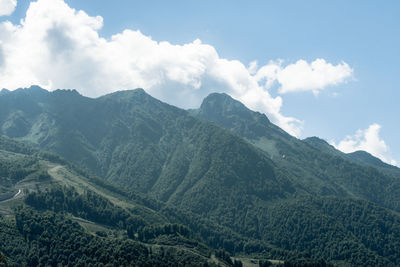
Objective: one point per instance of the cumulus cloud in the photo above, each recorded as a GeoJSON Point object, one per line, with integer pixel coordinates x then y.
{"type": "Point", "coordinates": [304, 76]}
{"type": "Point", "coordinates": [367, 140]}
{"type": "Point", "coordinates": [7, 7]}
{"type": "Point", "coordinates": [56, 46]}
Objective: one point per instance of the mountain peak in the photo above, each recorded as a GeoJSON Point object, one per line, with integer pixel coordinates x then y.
{"type": "Point", "coordinates": [365, 157]}
{"type": "Point", "coordinates": [221, 104]}
{"type": "Point", "coordinates": [232, 114]}
{"type": "Point", "coordinates": [36, 88]}
{"type": "Point", "coordinates": [33, 89]}
{"type": "Point", "coordinates": [322, 145]}
{"type": "Point", "coordinates": [4, 91]}
{"type": "Point", "coordinates": [317, 142]}
{"type": "Point", "coordinates": [67, 91]}
{"type": "Point", "coordinates": [127, 94]}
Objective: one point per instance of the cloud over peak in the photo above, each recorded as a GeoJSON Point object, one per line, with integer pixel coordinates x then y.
{"type": "Point", "coordinates": [56, 46]}
{"type": "Point", "coordinates": [368, 140]}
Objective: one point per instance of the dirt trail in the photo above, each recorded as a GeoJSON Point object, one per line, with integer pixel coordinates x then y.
{"type": "Point", "coordinates": [17, 195]}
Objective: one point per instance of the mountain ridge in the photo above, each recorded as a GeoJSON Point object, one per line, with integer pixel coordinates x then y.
{"type": "Point", "coordinates": [222, 162]}
{"type": "Point", "coordinates": [134, 120]}
{"type": "Point", "coordinates": [313, 159]}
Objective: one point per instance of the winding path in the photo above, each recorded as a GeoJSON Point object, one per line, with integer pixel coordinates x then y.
{"type": "Point", "coordinates": [14, 197]}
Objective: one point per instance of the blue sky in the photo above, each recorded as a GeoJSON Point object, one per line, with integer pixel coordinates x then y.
{"type": "Point", "coordinates": [362, 34]}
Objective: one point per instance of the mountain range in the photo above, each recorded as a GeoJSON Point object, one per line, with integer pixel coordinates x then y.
{"type": "Point", "coordinates": [228, 175]}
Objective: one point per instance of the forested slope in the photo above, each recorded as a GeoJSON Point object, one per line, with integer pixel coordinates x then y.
{"type": "Point", "coordinates": [316, 166]}
{"type": "Point", "coordinates": [171, 177]}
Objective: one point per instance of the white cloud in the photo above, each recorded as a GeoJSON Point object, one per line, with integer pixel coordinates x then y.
{"type": "Point", "coordinates": [367, 140]}
{"type": "Point", "coordinates": [56, 46]}
{"type": "Point", "coordinates": [304, 76]}
{"type": "Point", "coordinates": [7, 7]}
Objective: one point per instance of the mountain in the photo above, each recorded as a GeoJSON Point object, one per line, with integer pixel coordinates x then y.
{"type": "Point", "coordinates": [118, 136]}
{"type": "Point", "coordinates": [233, 178]}
{"type": "Point", "coordinates": [142, 144]}
{"type": "Point", "coordinates": [322, 145]}
{"type": "Point", "coordinates": [318, 167]}
{"type": "Point", "coordinates": [49, 205]}
{"type": "Point", "coordinates": [358, 157]}
{"type": "Point", "coordinates": [43, 191]}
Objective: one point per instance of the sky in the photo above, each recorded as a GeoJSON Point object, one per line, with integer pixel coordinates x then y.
{"type": "Point", "coordinates": [315, 68]}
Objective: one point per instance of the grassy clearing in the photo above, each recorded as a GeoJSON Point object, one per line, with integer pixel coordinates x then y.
{"type": "Point", "coordinates": [66, 177]}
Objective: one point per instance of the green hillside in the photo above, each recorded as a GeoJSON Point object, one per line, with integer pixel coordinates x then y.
{"type": "Point", "coordinates": [220, 177]}
{"type": "Point", "coordinates": [58, 216]}
{"type": "Point", "coordinates": [142, 144]}
{"type": "Point", "coordinates": [318, 167]}
{"type": "Point", "coordinates": [53, 188]}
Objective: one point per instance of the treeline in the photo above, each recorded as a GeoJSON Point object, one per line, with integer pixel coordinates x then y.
{"type": "Point", "coordinates": [88, 205]}
{"type": "Point", "coordinates": [327, 228]}
{"type": "Point", "coordinates": [49, 239]}
{"type": "Point", "coordinates": [221, 237]}
{"type": "Point", "coordinates": [191, 227]}
{"type": "Point", "coordinates": [226, 258]}
{"type": "Point", "coordinates": [297, 262]}
{"type": "Point", "coordinates": [150, 232]}
{"type": "Point", "coordinates": [306, 262]}
{"type": "Point", "coordinates": [354, 231]}
{"type": "Point", "coordinates": [16, 168]}
{"type": "Point", "coordinates": [96, 208]}
{"type": "Point", "coordinates": [11, 145]}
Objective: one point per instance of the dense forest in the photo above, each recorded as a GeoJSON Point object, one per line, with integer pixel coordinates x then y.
{"type": "Point", "coordinates": [49, 239]}
{"type": "Point", "coordinates": [201, 187]}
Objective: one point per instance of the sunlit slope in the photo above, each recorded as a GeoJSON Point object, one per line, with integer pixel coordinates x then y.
{"type": "Point", "coordinates": [142, 144]}
{"type": "Point", "coordinates": [233, 188]}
